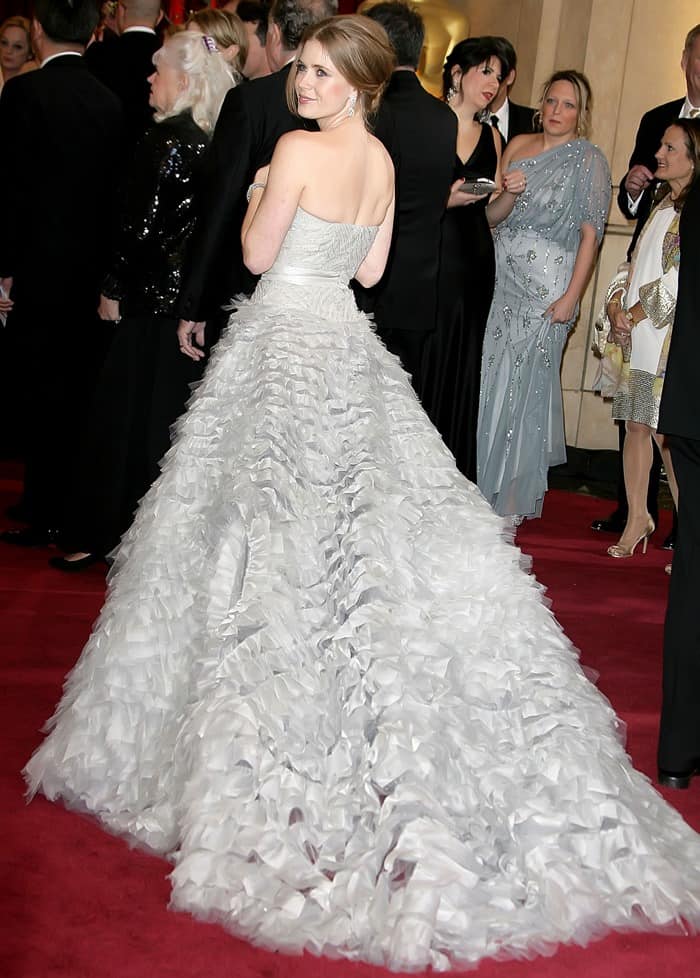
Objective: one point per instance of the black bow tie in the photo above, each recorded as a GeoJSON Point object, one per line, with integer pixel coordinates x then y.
{"type": "Point", "coordinates": [494, 122]}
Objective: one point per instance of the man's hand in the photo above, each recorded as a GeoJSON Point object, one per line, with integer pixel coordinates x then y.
{"type": "Point", "coordinates": [189, 333]}
{"type": "Point", "coordinates": [637, 180]}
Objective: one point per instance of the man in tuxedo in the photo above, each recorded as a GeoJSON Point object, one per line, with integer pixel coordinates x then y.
{"type": "Point", "coordinates": [636, 194]}
{"type": "Point", "coordinates": [635, 199]}
{"type": "Point", "coordinates": [254, 16]}
{"type": "Point", "coordinates": [252, 119]}
{"type": "Point", "coordinates": [126, 65]}
{"type": "Point", "coordinates": [508, 117]}
{"type": "Point", "coordinates": [65, 134]}
{"type": "Point", "coordinates": [420, 133]}
{"type": "Point", "coordinates": [679, 420]}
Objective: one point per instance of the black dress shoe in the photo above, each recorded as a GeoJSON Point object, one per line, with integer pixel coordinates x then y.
{"type": "Point", "coordinates": [670, 541]}
{"type": "Point", "coordinates": [612, 524]}
{"type": "Point", "coordinates": [30, 536]}
{"type": "Point", "coordinates": [74, 566]}
{"type": "Point", "coordinates": [676, 779]}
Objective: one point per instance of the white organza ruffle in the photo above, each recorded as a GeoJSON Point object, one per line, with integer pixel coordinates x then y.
{"type": "Point", "coordinates": [326, 686]}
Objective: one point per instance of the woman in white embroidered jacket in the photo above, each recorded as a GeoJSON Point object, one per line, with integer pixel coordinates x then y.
{"type": "Point", "coordinates": [641, 306]}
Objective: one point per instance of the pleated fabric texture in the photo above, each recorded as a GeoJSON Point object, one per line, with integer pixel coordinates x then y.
{"type": "Point", "coordinates": [325, 685]}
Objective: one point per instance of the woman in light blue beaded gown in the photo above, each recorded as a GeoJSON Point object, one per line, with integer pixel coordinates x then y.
{"type": "Point", "coordinates": [323, 684]}
{"type": "Point", "coordinates": [546, 241]}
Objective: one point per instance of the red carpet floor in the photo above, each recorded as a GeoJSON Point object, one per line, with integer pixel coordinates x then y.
{"type": "Point", "coordinates": [77, 903]}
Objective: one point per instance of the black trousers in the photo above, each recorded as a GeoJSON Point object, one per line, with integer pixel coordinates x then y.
{"type": "Point", "coordinates": [59, 353]}
{"type": "Point", "coordinates": [142, 389]}
{"type": "Point", "coordinates": [679, 738]}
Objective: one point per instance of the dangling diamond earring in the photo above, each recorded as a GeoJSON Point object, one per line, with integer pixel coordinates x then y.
{"type": "Point", "coordinates": [352, 101]}
{"type": "Point", "coordinates": [451, 93]}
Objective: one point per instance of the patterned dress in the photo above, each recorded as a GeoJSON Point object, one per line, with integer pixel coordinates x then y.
{"type": "Point", "coordinates": [521, 425]}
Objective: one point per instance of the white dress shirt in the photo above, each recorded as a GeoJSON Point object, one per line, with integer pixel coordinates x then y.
{"type": "Point", "coordinates": [503, 116]}
{"type": "Point", "coordinates": [60, 54]}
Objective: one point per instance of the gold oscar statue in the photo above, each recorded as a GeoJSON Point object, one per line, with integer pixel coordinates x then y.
{"type": "Point", "coordinates": [446, 23]}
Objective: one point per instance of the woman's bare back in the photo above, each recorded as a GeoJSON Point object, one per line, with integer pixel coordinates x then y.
{"type": "Point", "coordinates": [348, 177]}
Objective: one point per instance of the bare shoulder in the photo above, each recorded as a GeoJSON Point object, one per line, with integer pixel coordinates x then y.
{"type": "Point", "coordinates": [521, 147]}
{"type": "Point", "coordinates": [379, 150]}
{"type": "Point", "coordinates": [295, 142]}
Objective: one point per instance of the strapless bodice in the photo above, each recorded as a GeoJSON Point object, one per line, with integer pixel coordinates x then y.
{"type": "Point", "coordinates": [314, 248]}
{"type": "Point", "coordinates": [315, 264]}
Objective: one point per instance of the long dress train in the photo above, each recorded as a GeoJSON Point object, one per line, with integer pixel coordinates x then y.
{"type": "Point", "coordinates": [325, 686]}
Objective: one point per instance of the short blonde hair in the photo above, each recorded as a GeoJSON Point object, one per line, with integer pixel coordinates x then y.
{"type": "Point", "coordinates": [226, 28]}
{"type": "Point", "coordinates": [360, 50]}
{"type": "Point", "coordinates": [584, 98]}
{"type": "Point", "coordinates": [208, 77]}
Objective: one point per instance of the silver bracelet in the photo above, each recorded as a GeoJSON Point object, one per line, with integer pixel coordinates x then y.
{"type": "Point", "coordinates": [252, 187]}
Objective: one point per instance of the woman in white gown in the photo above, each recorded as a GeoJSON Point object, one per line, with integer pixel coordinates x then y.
{"type": "Point", "coordinates": [322, 683]}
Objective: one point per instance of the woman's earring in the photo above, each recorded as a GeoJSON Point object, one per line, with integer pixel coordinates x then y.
{"type": "Point", "coordinates": [451, 93]}
{"type": "Point", "coordinates": [352, 101]}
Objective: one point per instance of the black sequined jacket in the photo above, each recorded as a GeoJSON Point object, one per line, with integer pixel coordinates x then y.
{"type": "Point", "coordinates": [157, 218]}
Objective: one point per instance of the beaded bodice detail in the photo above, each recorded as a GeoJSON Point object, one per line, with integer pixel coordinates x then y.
{"type": "Point", "coordinates": [567, 186]}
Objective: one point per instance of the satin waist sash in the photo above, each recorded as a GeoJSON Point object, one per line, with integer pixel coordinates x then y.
{"type": "Point", "coordinates": [303, 276]}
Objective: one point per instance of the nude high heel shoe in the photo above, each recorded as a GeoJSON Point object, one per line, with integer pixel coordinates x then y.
{"type": "Point", "coordinates": [617, 550]}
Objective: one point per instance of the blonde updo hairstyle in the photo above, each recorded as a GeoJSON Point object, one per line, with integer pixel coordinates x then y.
{"type": "Point", "coordinates": [584, 99]}
{"type": "Point", "coordinates": [227, 30]}
{"type": "Point", "coordinates": [208, 76]}
{"type": "Point", "coordinates": [360, 50]}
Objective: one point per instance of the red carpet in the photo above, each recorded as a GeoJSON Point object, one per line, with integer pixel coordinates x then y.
{"type": "Point", "coordinates": [78, 904]}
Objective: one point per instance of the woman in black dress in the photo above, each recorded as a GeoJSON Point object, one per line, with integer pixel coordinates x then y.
{"type": "Point", "coordinates": [471, 77]}
{"type": "Point", "coordinates": [145, 381]}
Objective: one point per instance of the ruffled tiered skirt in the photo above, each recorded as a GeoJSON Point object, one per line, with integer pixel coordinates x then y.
{"type": "Point", "coordinates": [325, 686]}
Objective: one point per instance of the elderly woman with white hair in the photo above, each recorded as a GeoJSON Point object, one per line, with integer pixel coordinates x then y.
{"type": "Point", "coordinates": [145, 382]}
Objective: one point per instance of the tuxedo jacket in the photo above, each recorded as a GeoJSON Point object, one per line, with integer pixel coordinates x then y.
{"type": "Point", "coordinates": [252, 119]}
{"type": "Point", "coordinates": [679, 413]}
{"type": "Point", "coordinates": [124, 66]}
{"type": "Point", "coordinates": [63, 142]}
{"type": "Point", "coordinates": [98, 55]}
{"type": "Point", "coordinates": [420, 133]}
{"type": "Point", "coordinates": [651, 129]}
{"type": "Point", "coordinates": [520, 120]}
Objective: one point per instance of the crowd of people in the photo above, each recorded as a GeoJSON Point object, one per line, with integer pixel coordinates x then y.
{"type": "Point", "coordinates": [481, 289]}
{"type": "Point", "coordinates": [321, 682]}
